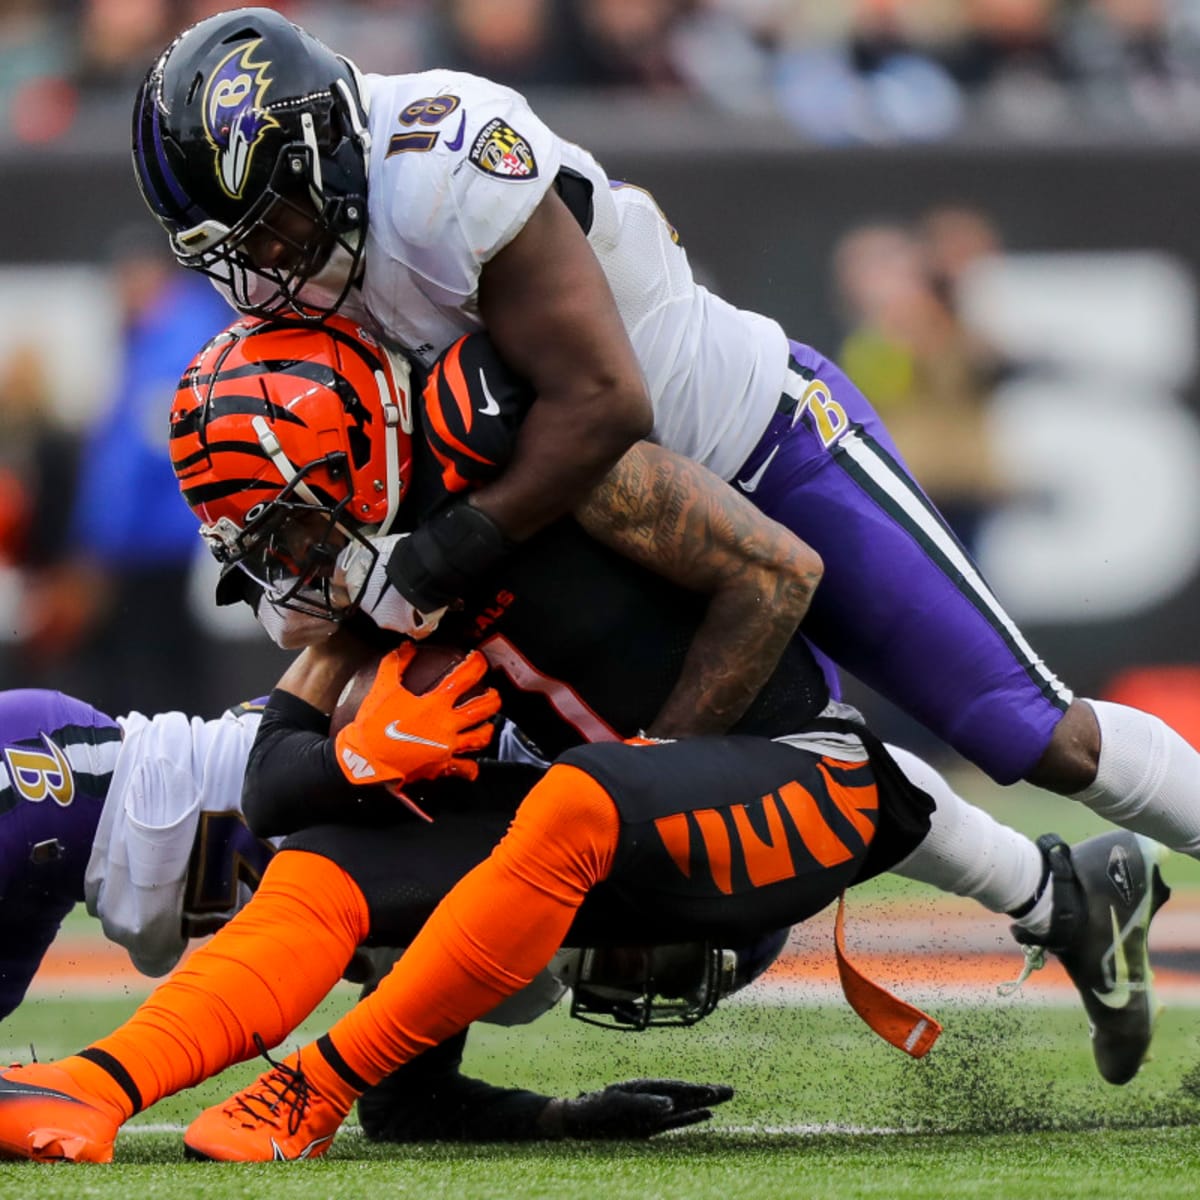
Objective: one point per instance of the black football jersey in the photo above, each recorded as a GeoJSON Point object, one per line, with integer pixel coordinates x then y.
{"type": "Point", "coordinates": [586, 644]}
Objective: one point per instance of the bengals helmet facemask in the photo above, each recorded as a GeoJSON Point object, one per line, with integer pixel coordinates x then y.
{"type": "Point", "coordinates": [637, 987]}
{"type": "Point", "coordinates": [249, 146]}
{"type": "Point", "coordinates": [289, 441]}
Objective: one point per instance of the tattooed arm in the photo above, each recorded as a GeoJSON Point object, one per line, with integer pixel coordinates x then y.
{"type": "Point", "coordinates": [676, 518]}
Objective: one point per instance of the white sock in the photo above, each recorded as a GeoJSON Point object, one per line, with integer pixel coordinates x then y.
{"type": "Point", "coordinates": [968, 852]}
{"type": "Point", "coordinates": [1148, 780]}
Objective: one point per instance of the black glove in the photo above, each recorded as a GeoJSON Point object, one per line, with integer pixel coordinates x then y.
{"type": "Point", "coordinates": [638, 1108]}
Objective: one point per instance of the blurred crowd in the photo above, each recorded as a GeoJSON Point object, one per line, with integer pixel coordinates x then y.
{"type": "Point", "coordinates": [910, 347]}
{"type": "Point", "coordinates": [99, 555]}
{"type": "Point", "coordinates": [102, 584]}
{"type": "Point", "coordinates": [835, 70]}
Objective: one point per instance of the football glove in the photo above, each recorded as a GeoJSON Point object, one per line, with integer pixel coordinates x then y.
{"type": "Point", "coordinates": [290, 629]}
{"type": "Point", "coordinates": [398, 736]}
{"type": "Point", "coordinates": [638, 1108]}
{"type": "Point", "coordinates": [364, 575]}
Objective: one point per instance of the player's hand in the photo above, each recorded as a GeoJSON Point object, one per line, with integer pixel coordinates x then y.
{"type": "Point", "coordinates": [289, 629]}
{"type": "Point", "coordinates": [364, 575]}
{"type": "Point", "coordinates": [638, 1108]}
{"type": "Point", "coordinates": [399, 736]}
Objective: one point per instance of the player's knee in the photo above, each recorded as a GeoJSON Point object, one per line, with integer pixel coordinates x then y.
{"type": "Point", "coordinates": [1072, 759]}
{"type": "Point", "coordinates": [568, 815]}
{"type": "Point", "coordinates": [567, 799]}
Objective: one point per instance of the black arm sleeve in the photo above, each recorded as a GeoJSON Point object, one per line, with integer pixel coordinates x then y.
{"type": "Point", "coordinates": [292, 778]}
{"type": "Point", "coordinates": [429, 1100]}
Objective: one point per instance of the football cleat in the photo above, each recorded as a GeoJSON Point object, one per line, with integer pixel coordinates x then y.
{"type": "Point", "coordinates": [1106, 892]}
{"type": "Point", "coordinates": [45, 1117]}
{"type": "Point", "coordinates": [280, 1117]}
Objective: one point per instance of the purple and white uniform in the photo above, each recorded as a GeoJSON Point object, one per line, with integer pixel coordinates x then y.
{"type": "Point", "coordinates": [901, 604]}
{"type": "Point", "coordinates": [59, 757]}
{"type": "Point", "coordinates": [457, 165]}
{"type": "Point", "coordinates": [138, 816]}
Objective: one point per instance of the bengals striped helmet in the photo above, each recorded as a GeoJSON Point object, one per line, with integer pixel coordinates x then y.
{"type": "Point", "coordinates": [288, 441]}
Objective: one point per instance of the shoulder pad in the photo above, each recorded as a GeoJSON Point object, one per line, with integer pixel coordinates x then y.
{"type": "Point", "coordinates": [471, 408]}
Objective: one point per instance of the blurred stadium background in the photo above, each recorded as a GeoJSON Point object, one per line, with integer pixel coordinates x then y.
{"type": "Point", "coordinates": [985, 208]}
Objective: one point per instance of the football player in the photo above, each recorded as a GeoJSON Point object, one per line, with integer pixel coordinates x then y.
{"type": "Point", "coordinates": [432, 204]}
{"type": "Point", "coordinates": [710, 838]}
{"type": "Point", "coordinates": [141, 817]}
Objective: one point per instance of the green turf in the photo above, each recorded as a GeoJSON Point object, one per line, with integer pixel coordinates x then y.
{"type": "Point", "coordinates": [1006, 1105]}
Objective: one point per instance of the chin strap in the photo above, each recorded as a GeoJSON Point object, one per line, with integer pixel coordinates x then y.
{"type": "Point", "coordinates": [316, 182]}
{"type": "Point", "coordinates": [356, 106]}
{"type": "Point", "coordinates": [274, 451]}
{"type": "Point", "coordinates": [395, 399]}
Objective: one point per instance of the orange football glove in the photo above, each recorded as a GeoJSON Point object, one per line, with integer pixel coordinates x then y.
{"type": "Point", "coordinates": [399, 736]}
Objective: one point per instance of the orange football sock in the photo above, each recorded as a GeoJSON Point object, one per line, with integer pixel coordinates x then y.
{"type": "Point", "coordinates": [263, 973]}
{"type": "Point", "coordinates": [498, 927]}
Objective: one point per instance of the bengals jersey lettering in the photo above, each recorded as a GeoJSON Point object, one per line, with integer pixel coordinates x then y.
{"type": "Point", "coordinates": [552, 614]}
{"type": "Point", "coordinates": [457, 165]}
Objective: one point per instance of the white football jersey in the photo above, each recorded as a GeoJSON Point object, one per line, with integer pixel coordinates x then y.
{"type": "Point", "coordinates": [176, 788]}
{"type": "Point", "coordinates": [457, 166]}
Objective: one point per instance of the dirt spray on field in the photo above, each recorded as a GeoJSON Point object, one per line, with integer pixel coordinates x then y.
{"type": "Point", "coordinates": [984, 1077]}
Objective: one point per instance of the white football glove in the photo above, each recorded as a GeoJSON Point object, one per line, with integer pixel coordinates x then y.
{"type": "Point", "coordinates": [365, 575]}
{"type": "Point", "coordinates": [289, 629]}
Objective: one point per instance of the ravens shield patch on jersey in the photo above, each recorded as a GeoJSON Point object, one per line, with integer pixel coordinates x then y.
{"type": "Point", "coordinates": [501, 150]}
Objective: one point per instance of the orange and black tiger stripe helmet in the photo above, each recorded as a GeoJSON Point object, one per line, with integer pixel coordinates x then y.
{"type": "Point", "coordinates": [270, 413]}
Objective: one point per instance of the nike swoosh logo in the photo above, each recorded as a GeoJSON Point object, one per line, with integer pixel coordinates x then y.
{"type": "Point", "coordinates": [455, 143]}
{"type": "Point", "coordinates": [490, 406]}
{"type": "Point", "coordinates": [398, 735]}
{"type": "Point", "coordinates": [307, 1152]}
{"type": "Point", "coordinates": [1121, 992]}
{"type": "Point", "coordinates": [750, 484]}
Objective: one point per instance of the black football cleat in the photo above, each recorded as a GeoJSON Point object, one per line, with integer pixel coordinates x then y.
{"type": "Point", "coordinates": [1106, 891]}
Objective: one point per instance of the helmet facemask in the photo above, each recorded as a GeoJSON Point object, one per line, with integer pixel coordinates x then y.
{"type": "Point", "coordinates": [289, 545]}
{"type": "Point", "coordinates": [289, 443]}
{"type": "Point", "coordinates": [250, 137]}
{"type": "Point", "coordinates": [636, 987]}
{"type": "Point", "coordinates": [322, 236]}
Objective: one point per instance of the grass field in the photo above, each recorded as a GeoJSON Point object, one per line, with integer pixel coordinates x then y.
{"type": "Point", "coordinates": [1006, 1105]}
